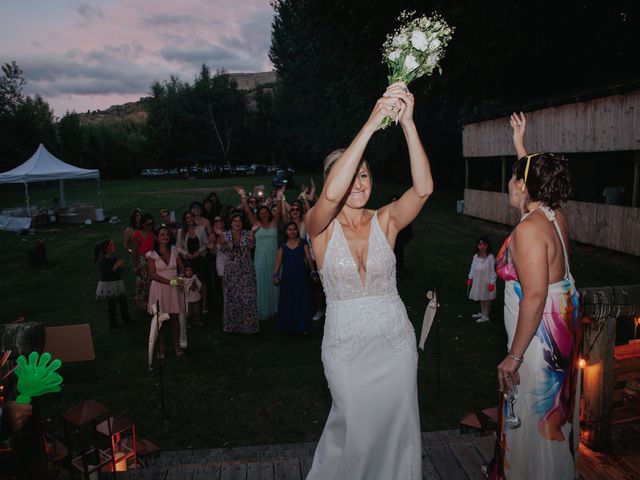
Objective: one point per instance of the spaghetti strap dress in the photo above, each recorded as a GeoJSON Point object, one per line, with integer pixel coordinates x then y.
{"type": "Point", "coordinates": [370, 361]}
{"type": "Point", "coordinates": [545, 446]}
{"type": "Point", "coordinates": [264, 260]}
{"type": "Point", "coordinates": [295, 309]}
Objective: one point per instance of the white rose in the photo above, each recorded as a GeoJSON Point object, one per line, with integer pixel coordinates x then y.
{"type": "Point", "coordinates": [393, 56]}
{"type": "Point", "coordinates": [432, 60]}
{"type": "Point", "coordinates": [419, 40]}
{"type": "Point", "coordinates": [435, 44]}
{"type": "Point", "coordinates": [410, 63]}
{"type": "Point", "coordinates": [399, 40]}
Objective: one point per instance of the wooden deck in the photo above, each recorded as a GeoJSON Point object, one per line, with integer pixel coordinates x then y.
{"type": "Point", "coordinates": [622, 464]}
{"type": "Point", "coordinates": [447, 455]}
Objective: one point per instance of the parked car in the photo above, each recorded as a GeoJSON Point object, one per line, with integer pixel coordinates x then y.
{"type": "Point", "coordinates": [226, 170]}
{"type": "Point", "coordinates": [283, 177]}
{"type": "Point", "coordinates": [242, 169]}
{"type": "Point", "coordinates": [273, 168]}
{"type": "Point", "coordinates": [259, 169]}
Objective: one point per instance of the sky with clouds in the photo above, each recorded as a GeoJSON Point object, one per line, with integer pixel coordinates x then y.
{"type": "Point", "coordinates": [91, 54]}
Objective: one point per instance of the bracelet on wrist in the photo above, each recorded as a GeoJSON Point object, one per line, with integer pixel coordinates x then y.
{"type": "Point", "coordinates": [515, 357]}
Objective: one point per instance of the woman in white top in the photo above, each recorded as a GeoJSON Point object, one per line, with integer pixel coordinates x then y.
{"type": "Point", "coordinates": [192, 240]}
{"type": "Point", "coordinates": [369, 346]}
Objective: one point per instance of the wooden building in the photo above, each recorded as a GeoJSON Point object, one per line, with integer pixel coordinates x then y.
{"type": "Point", "coordinates": [594, 123]}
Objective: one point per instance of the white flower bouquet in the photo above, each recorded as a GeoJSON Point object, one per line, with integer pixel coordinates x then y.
{"type": "Point", "coordinates": [415, 48]}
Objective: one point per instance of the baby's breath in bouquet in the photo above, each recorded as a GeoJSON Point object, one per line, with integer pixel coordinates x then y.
{"type": "Point", "coordinates": [415, 48]}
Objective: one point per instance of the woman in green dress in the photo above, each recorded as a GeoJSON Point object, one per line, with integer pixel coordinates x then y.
{"type": "Point", "coordinates": [266, 233]}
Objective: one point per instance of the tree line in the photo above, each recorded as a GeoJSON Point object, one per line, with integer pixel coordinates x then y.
{"type": "Point", "coordinates": [327, 54]}
{"type": "Point", "coordinates": [204, 122]}
{"type": "Point", "coordinates": [504, 55]}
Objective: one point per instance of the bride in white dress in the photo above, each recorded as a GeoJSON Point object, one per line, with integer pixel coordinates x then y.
{"type": "Point", "coordinates": [369, 346]}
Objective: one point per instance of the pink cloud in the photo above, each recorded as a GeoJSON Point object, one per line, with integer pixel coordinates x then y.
{"type": "Point", "coordinates": [93, 54]}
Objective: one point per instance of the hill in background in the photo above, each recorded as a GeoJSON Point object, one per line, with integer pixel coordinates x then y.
{"type": "Point", "coordinates": [136, 111]}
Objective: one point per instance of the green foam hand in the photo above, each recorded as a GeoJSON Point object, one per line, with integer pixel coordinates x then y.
{"type": "Point", "coordinates": [37, 377]}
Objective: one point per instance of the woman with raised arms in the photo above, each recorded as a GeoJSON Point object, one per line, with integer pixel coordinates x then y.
{"type": "Point", "coordinates": [369, 346]}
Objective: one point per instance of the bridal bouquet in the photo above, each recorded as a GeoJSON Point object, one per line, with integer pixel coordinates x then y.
{"type": "Point", "coordinates": [415, 49]}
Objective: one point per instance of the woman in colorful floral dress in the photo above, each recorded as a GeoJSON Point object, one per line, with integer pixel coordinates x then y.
{"type": "Point", "coordinates": [541, 319]}
{"type": "Point", "coordinates": [239, 288]}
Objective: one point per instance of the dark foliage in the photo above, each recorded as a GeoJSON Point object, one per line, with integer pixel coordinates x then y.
{"type": "Point", "coordinates": [504, 55]}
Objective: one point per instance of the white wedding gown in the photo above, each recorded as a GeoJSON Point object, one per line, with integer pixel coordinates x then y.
{"type": "Point", "coordinates": [370, 361]}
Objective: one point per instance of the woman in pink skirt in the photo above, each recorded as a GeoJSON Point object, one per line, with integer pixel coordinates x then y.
{"type": "Point", "coordinates": [165, 271]}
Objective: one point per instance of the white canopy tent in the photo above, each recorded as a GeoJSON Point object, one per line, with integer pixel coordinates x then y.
{"type": "Point", "coordinates": [45, 167]}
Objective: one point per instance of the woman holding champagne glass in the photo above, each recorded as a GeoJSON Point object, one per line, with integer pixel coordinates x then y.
{"type": "Point", "coordinates": [537, 376]}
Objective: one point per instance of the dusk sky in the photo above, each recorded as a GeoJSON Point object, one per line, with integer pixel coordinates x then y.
{"type": "Point", "coordinates": [87, 55]}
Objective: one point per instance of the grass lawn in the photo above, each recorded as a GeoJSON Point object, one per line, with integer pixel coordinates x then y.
{"type": "Point", "coordinates": [234, 390]}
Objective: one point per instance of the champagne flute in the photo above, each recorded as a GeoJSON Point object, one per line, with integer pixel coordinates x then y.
{"type": "Point", "coordinates": [510, 393]}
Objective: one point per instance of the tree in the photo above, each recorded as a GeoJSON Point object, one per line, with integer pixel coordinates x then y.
{"type": "Point", "coordinates": [71, 137]}
{"type": "Point", "coordinates": [218, 98]}
{"type": "Point", "coordinates": [165, 121]}
{"type": "Point", "coordinates": [11, 83]}
{"type": "Point", "coordinates": [25, 121]}
{"type": "Point", "coordinates": [203, 120]}
{"type": "Point", "coordinates": [503, 55]}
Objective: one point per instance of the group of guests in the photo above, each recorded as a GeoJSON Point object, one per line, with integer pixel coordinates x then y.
{"type": "Point", "coordinates": [252, 256]}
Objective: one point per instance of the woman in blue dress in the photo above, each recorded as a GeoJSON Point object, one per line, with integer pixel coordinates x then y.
{"type": "Point", "coordinates": [295, 308]}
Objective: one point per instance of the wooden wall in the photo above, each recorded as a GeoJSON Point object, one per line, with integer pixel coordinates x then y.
{"type": "Point", "coordinates": [600, 125]}
{"type": "Point", "coordinates": [608, 226]}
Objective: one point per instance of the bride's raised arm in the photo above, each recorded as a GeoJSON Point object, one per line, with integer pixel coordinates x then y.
{"type": "Point", "coordinates": [406, 209]}
{"type": "Point", "coordinates": [341, 175]}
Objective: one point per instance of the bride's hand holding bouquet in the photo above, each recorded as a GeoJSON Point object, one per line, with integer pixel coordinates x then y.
{"type": "Point", "coordinates": [396, 103]}
{"type": "Point", "coordinates": [415, 49]}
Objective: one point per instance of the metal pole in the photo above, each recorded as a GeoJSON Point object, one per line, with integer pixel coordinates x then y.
{"type": "Point", "coordinates": [466, 173]}
{"type": "Point", "coordinates": [26, 191]}
{"type": "Point", "coordinates": [160, 358]}
{"type": "Point", "coordinates": [100, 195]}
{"type": "Point", "coordinates": [635, 196]}
{"type": "Point", "coordinates": [63, 200]}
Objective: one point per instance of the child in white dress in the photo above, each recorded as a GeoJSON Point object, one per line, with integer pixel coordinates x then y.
{"type": "Point", "coordinates": [192, 288]}
{"type": "Point", "coordinates": [482, 279]}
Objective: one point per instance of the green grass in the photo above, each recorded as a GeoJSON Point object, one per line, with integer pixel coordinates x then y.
{"type": "Point", "coordinates": [234, 390]}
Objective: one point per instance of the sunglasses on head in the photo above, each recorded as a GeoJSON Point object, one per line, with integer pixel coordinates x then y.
{"type": "Point", "coordinates": [526, 169]}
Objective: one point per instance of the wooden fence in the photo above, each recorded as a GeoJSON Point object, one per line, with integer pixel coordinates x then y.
{"type": "Point", "coordinates": [600, 125]}
{"type": "Point", "coordinates": [608, 226]}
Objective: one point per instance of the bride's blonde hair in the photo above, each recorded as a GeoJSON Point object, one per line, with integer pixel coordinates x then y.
{"type": "Point", "coordinates": [330, 160]}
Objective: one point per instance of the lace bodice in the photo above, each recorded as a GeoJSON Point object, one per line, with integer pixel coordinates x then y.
{"type": "Point", "coordinates": [340, 276]}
